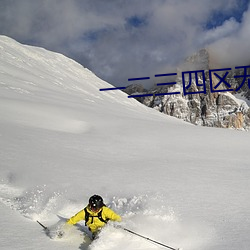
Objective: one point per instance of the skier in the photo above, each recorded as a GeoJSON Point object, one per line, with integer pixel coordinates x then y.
{"type": "Point", "coordinates": [95, 214]}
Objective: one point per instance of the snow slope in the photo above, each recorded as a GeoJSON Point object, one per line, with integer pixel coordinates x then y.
{"type": "Point", "coordinates": [62, 140]}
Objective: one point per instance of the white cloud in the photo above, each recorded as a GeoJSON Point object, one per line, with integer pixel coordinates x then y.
{"type": "Point", "coordinates": [233, 50]}
{"type": "Point", "coordinates": [228, 28]}
{"type": "Point", "coordinates": [97, 32]}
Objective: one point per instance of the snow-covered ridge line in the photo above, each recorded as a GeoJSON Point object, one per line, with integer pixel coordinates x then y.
{"type": "Point", "coordinates": [35, 68]}
{"type": "Point", "coordinates": [33, 74]}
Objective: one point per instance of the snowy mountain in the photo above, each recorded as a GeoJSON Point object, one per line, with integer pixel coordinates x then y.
{"type": "Point", "coordinates": [62, 140]}
{"type": "Point", "coordinates": [212, 109]}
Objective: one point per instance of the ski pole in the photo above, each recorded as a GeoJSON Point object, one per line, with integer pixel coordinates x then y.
{"type": "Point", "coordinates": [45, 228]}
{"type": "Point", "coordinates": [146, 238]}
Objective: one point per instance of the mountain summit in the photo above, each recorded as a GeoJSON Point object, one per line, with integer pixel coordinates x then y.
{"type": "Point", "coordinates": [221, 108]}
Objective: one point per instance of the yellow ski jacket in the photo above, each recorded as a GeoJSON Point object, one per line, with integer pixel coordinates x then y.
{"type": "Point", "coordinates": [94, 223]}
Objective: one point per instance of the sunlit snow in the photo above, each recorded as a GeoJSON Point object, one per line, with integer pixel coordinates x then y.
{"type": "Point", "coordinates": [62, 140]}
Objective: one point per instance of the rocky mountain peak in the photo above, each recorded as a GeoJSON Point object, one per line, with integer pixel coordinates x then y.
{"type": "Point", "coordinates": [226, 109]}
{"type": "Point", "coordinates": [197, 61]}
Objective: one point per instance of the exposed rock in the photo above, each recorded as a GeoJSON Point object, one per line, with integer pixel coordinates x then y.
{"type": "Point", "coordinates": [213, 109]}
{"type": "Point", "coordinates": [135, 88]}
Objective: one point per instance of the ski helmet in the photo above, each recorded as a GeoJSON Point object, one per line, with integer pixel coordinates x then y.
{"type": "Point", "coordinates": [95, 202]}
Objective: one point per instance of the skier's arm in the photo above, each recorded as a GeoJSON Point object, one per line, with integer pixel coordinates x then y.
{"type": "Point", "coordinates": [77, 217]}
{"type": "Point", "coordinates": [110, 214]}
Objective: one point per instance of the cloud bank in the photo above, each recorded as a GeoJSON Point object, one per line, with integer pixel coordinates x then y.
{"type": "Point", "coordinates": [121, 39]}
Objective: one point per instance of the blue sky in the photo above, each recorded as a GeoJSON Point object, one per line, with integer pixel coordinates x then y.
{"type": "Point", "coordinates": [122, 39]}
{"type": "Point", "coordinates": [218, 17]}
